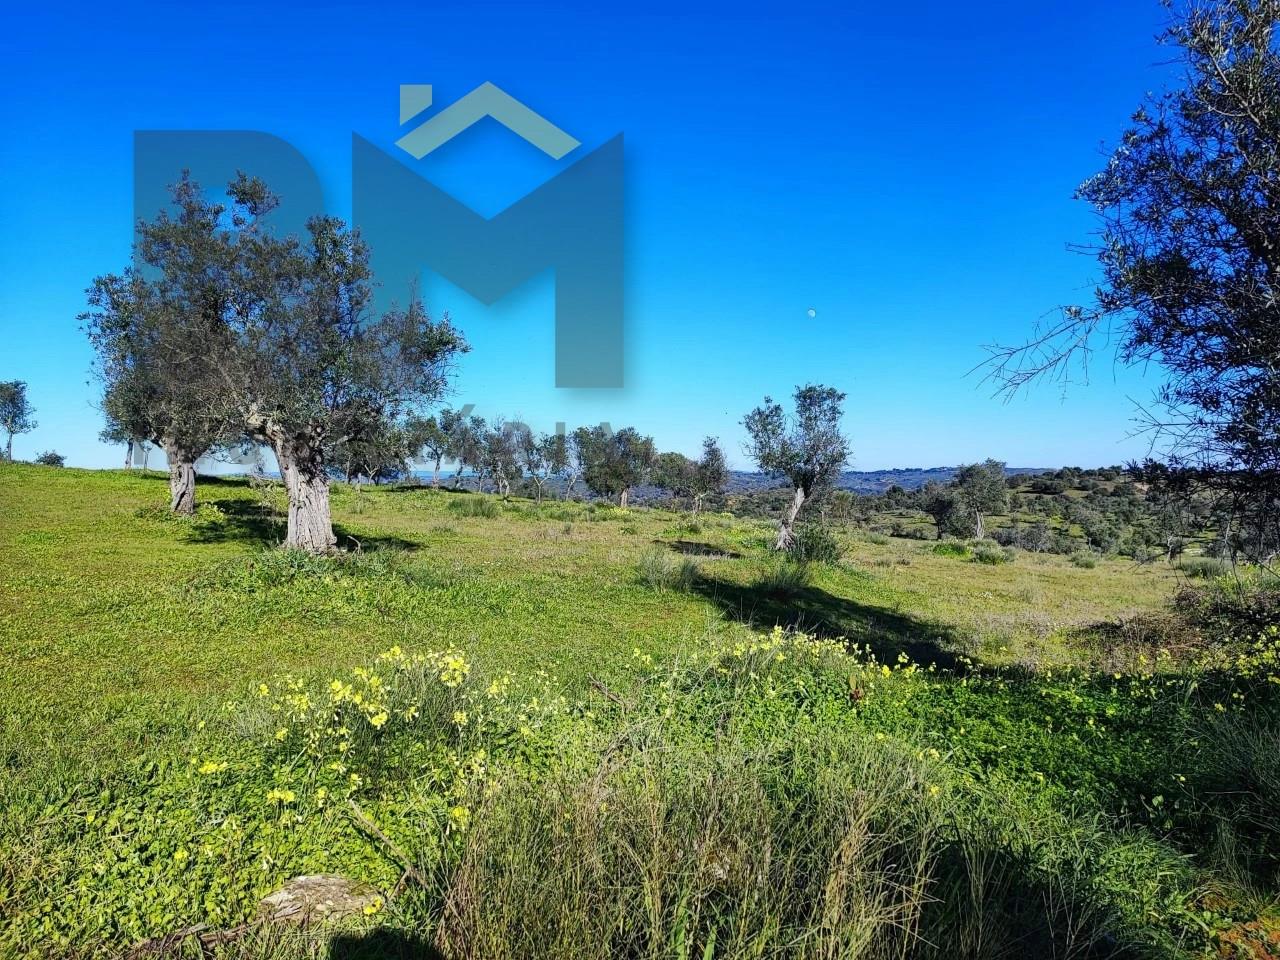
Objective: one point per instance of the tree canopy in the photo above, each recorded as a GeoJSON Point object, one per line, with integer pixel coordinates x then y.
{"type": "Point", "coordinates": [1189, 206]}
{"type": "Point", "coordinates": [806, 448]}
{"type": "Point", "coordinates": [614, 461]}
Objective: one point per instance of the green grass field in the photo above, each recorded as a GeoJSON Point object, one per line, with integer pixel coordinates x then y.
{"type": "Point", "coordinates": [1034, 723]}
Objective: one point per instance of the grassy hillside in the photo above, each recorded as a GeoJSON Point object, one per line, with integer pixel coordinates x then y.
{"type": "Point", "coordinates": [180, 729]}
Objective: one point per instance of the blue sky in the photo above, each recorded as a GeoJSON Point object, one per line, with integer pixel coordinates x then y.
{"type": "Point", "coordinates": [904, 170]}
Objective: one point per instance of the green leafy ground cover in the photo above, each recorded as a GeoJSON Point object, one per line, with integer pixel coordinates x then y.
{"type": "Point", "coordinates": [570, 747]}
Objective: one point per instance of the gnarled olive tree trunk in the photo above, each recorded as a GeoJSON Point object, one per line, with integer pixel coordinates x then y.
{"type": "Point", "coordinates": [182, 477]}
{"type": "Point", "coordinates": [786, 527]}
{"type": "Point", "coordinates": [622, 498]}
{"type": "Point", "coordinates": [305, 481]}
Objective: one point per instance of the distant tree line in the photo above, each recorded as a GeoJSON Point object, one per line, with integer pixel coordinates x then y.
{"type": "Point", "coordinates": [1110, 510]}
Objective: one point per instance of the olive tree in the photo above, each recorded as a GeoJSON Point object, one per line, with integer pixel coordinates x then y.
{"type": "Point", "coordinates": [980, 489]}
{"type": "Point", "coordinates": [501, 453]}
{"type": "Point", "coordinates": [806, 448]}
{"type": "Point", "coordinates": [614, 461]}
{"type": "Point", "coordinates": [158, 332]}
{"type": "Point", "coordinates": [710, 473]}
{"type": "Point", "coordinates": [16, 413]}
{"type": "Point", "coordinates": [426, 437]}
{"type": "Point", "coordinates": [378, 451]}
{"type": "Point", "coordinates": [673, 472]}
{"type": "Point", "coordinates": [542, 456]}
{"type": "Point", "coordinates": [465, 446]}
{"type": "Point", "coordinates": [302, 364]}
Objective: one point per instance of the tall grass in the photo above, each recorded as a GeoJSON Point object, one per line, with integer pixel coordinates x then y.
{"type": "Point", "coordinates": [475, 506]}
{"type": "Point", "coordinates": [666, 849]}
{"type": "Point", "coordinates": [661, 570]}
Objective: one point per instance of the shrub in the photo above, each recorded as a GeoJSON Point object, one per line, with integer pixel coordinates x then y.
{"type": "Point", "coordinates": [476, 506]}
{"type": "Point", "coordinates": [879, 539]}
{"type": "Point", "coordinates": [1085, 559]}
{"type": "Point", "coordinates": [784, 578]}
{"type": "Point", "coordinates": [51, 458]}
{"type": "Point", "coordinates": [662, 570]}
{"type": "Point", "coordinates": [814, 543]}
{"type": "Point", "coordinates": [952, 548]}
{"type": "Point", "coordinates": [991, 553]}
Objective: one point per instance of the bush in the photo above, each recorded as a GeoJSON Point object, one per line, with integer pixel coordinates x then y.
{"type": "Point", "coordinates": [1084, 559]}
{"type": "Point", "coordinates": [991, 553]}
{"type": "Point", "coordinates": [879, 539]}
{"type": "Point", "coordinates": [476, 506]}
{"type": "Point", "coordinates": [814, 543]}
{"type": "Point", "coordinates": [51, 458]}
{"type": "Point", "coordinates": [952, 548]}
{"type": "Point", "coordinates": [662, 570]}
{"type": "Point", "coordinates": [784, 578]}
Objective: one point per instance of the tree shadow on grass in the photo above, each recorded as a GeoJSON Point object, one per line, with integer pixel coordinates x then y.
{"type": "Point", "coordinates": [383, 943]}
{"type": "Point", "coordinates": [243, 521]}
{"type": "Point", "coordinates": [692, 548]}
{"type": "Point", "coordinates": [368, 542]}
{"type": "Point", "coordinates": [246, 521]}
{"type": "Point", "coordinates": [812, 610]}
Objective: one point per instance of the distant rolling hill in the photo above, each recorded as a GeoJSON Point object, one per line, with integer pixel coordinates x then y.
{"type": "Point", "coordinates": [867, 481]}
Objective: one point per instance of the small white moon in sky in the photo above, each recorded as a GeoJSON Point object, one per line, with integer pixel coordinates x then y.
{"type": "Point", "coordinates": [812, 313]}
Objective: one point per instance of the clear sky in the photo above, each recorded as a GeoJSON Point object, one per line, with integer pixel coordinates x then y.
{"type": "Point", "coordinates": [904, 170]}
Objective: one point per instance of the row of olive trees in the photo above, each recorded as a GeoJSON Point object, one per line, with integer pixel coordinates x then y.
{"type": "Point", "coordinates": [611, 463]}
{"type": "Point", "coordinates": [223, 333]}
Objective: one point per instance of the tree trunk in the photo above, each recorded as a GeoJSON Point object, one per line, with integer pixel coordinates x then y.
{"type": "Point", "coordinates": [182, 479]}
{"type": "Point", "coordinates": [435, 476]}
{"type": "Point", "coordinates": [785, 527]}
{"type": "Point", "coordinates": [310, 522]}
{"type": "Point", "coordinates": [979, 528]}
{"type": "Point", "coordinates": [622, 499]}
{"type": "Point", "coordinates": [128, 455]}
{"type": "Point", "coordinates": [8, 451]}
{"type": "Point", "coordinates": [182, 486]}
